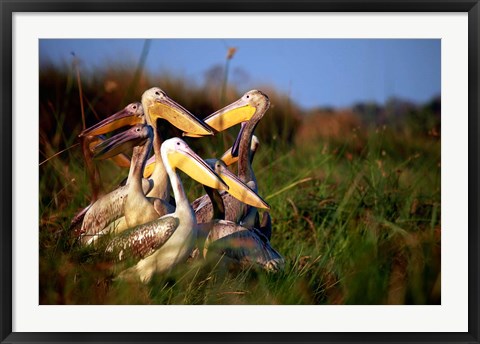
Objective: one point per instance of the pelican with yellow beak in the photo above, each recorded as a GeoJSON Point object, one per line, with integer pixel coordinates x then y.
{"type": "Point", "coordinates": [157, 105]}
{"type": "Point", "coordinates": [248, 111]}
{"type": "Point", "coordinates": [235, 243]}
{"type": "Point", "coordinates": [93, 136]}
{"type": "Point", "coordinates": [246, 215]}
{"type": "Point", "coordinates": [88, 143]}
{"type": "Point", "coordinates": [163, 243]}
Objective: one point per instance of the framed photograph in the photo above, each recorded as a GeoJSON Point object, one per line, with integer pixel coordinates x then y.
{"type": "Point", "coordinates": [240, 172]}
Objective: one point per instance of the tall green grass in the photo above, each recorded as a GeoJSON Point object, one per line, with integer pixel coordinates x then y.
{"type": "Point", "coordinates": [356, 215]}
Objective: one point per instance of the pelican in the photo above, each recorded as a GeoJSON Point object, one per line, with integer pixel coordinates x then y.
{"type": "Point", "coordinates": [237, 244]}
{"type": "Point", "coordinates": [210, 206]}
{"type": "Point", "coordinates": [228, 158]}
{"type": "Point", "coordinates": [101, 216]}
{"type": "Point", "coordinates": [158, 105]}
{"type": "Point", "coordinates": [91, 137]}
{"type": "Point", "coordinates": [163, 243]}
{"type": "Point", "coordinates": [147, 209]}
{"type": "Point", "coordinates": [88, 144]}
{"type": "Point", "coordinates": [248, 111]}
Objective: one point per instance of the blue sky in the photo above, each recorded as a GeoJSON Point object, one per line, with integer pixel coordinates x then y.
{"type": "Point", "coordinates": [315, 72]}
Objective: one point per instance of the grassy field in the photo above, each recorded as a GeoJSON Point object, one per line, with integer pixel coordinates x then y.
{"type": "Point", "coordinates": [355, 203]}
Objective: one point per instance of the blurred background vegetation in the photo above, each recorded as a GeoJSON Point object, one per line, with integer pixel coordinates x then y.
{"type": "Point", "coordinates": [354, 195]}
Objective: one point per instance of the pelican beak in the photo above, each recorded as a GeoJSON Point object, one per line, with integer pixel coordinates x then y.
{"type": "Point", "coordinates": [240, 190]}
{"type": "Point", "coordinates": [178, 116]}
{"type": "Point", "coordinates": [119, 143]}
{"type": "Point", "coordinates": [149, 167]}
{"type": "Point", "coordinates": [230, 115]}
{"type": "Point", "coordinates": [120, 119]}
{"type": "Point", "coordinates": [95, 141]}
{"type": "Point", "coordinates": [120, 160]}
{"type": "Point", "coordinates": [228, 158]}
{"type": "Point", "coordinates": [189, 162]}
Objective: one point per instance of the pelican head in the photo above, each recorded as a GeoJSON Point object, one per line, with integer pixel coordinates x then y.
{"type": "Point", "coordinates": [180, 155]}
{"type": "Point", "coordinates": [123, 141]}
{"type": "Point", "coordinates": [250, 104]}
{"type": "Point", "coordinates": [157, 104]}
{"type": "Point", "coordinates": [239, 189]}
{"type": "Point", "coordinates": [130, 115]}
{"type": "Point", "coordinates": [93, 141]}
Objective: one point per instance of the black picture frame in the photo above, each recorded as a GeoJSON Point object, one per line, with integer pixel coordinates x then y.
{"type": "Point", "coordinates": [9, 7]}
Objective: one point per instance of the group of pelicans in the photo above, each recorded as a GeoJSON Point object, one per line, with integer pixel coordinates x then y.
{"type": "Point", "coordinates": [148, 227]}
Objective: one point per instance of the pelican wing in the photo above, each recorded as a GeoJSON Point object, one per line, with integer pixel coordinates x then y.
{"type": "Point", "coordinates": [104, 211]}
{"type": "Point", "coordinates": [243, 246]}
{"type": "Point", "coordinates": [141, 241]}
{"type": "Point", "coordinates": [99, 218]}
{"type": "Point", "coordinates": [76, 223]}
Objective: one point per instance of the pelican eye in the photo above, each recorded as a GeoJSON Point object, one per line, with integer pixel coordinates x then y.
{"type": "Point", "coordinates": [178, 143]}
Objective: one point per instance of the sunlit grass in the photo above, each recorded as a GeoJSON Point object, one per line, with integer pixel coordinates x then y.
{"type": "Point", "coordinates": [363, 230]}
